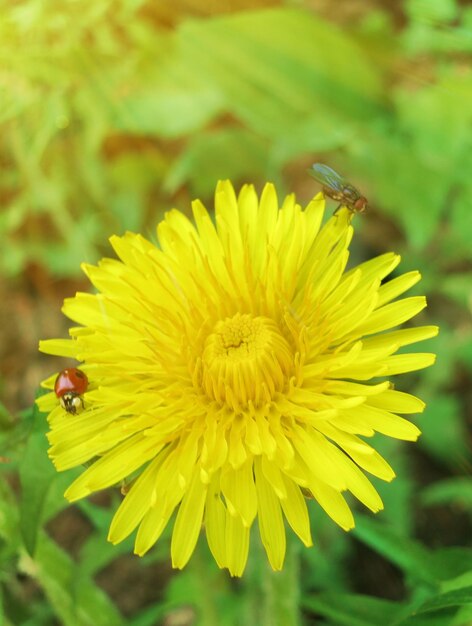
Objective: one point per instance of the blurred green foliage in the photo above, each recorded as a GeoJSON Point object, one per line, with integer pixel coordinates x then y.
{"type": "Point", "coordinates": [114, 111]}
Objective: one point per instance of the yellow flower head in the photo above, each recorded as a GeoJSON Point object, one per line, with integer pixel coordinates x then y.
{"type": "Point", "coordinates": [230, 369]}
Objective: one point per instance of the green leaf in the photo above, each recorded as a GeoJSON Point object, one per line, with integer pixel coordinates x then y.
{"type": "Point", "coordinates": [9, 517]}
{"type": "Point", "coordinates": [76, 598]}
{"type": "Point", "coordinates": [153, 615]}
{"type": "Point", "coordinates": [458, 286]}
{"type": "Point", "coordinates": [319, 132]}
{"type": "Point", "coordinates": [42, 487]}
{"type": "Point", "coordinates": [325, 568]}
{"type": "Point", "coordinates": [436, 12]}
{"type": "Point", "coordinates": [410, 556]}
{"type": "Point", "coordinates": [443, 430]}
{"type": "Point", "coordinates": [450, 565]}
{"type": "Point", "coordinates": [457, 597]}
{"type": "Point", "coordinates": [461, 222]}
{"type": "Point", "coordinates": [452, 490]}
{"type": "Point", "coordinates": [397, 498]}
{"type": "Point", "coordinates": [176, 108]}
{"type": "Point", "coordinates": [464, 352]}
{"type": "Point", "coordinates": [6, 420]}
{"type": "Point", "coordinates": [97, 553]}
{"type": "Point", "coordinates": [415, 147]}
{"type": "Point", "coordinates": [353, 610]}
{"type": "Point", "coordinates": [13, 435]}
{"type": "Point", "coordinates": [415, 560]}
{"type": "Point", "coordinates": [407, 203]}
{"type": "Point", "coordinates": [233, 153]}
{"type": "Point", "coordinates": [441, 618]}
{"type": "Point", "coordinates": [36, 476]}
{"type": "Point", "coordinates": [274, 66]}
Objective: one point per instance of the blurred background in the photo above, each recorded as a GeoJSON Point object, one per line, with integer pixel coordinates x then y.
{"type": "Point", "coordinates": [113, 112]}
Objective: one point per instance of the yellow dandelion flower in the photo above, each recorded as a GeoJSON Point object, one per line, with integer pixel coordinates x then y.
{"type": "Point", "coordinates": [230, 370]}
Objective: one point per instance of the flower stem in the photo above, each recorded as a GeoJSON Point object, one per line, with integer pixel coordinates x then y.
{"type": "Point", "coordinates": [274, 596]}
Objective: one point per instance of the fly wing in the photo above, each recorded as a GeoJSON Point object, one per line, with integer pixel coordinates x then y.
{"type": "Point", "coordinates": [326, 176]}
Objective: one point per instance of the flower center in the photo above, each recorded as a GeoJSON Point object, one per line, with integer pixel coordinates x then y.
{"type": "Point", "coordinates": [245, 359]}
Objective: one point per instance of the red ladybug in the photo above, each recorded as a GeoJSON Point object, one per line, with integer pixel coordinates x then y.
{"type": "Point", "coordinates": [70, 384]}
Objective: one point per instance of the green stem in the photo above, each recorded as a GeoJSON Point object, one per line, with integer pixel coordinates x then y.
{"type": "Point", "coordinates": [208, 580]}
{"type": "Point", "coordinates": [261, 597]}
{"type": "Point", "coordinates": [274, 596]}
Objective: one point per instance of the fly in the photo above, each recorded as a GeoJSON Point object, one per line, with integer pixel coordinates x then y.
{"type": "Point", "coordinates": [338, 188]}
